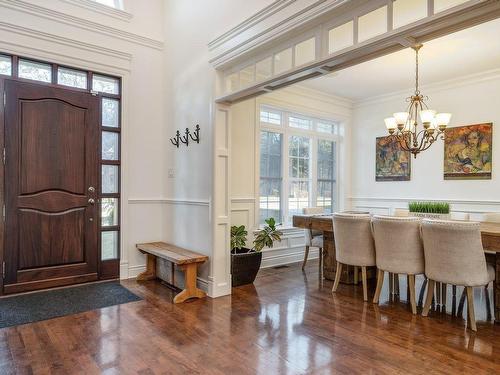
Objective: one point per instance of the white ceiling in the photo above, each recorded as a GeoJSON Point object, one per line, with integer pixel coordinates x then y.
{"type": "Point", "coordinates": [464, 53]}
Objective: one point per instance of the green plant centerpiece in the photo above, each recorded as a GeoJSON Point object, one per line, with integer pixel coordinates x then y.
{"type": "Point", "coordinates": [245, 262]}
{"type": "Point", "coordinates": [430, 210]}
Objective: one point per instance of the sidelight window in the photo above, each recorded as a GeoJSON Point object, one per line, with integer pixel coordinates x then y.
{"type": "Point", "coordinates": [5, 65]}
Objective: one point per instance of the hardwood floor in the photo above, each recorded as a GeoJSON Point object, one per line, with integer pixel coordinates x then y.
{"type": "Point", "coordinates": [284, 324]}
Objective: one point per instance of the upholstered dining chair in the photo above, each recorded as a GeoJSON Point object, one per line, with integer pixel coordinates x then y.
{"type": "Point", "coordinates": [454, 255]}
{"type": "Point", "coordinates": [354, 245]}
{"type": "Point", "coordinates": [314, 238]}
{"type": "Point", "coordinates": [399, 250]}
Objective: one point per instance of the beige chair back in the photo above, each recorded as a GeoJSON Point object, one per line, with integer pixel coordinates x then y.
{"type": "Point", "coordinates": [311, 233]}
{"type": "Point", "coordinates": [353, 239]}
{"type": "Point", "coordinates": [401, 212]}
{"type": "Point", "coordinates": [454, 252]}
{"type": "Point", "coordinates": [398, 246]}
{"type": "Point", "coordinates": [491, 217]}
{"type": "Point", "coordinates": [462, 216]}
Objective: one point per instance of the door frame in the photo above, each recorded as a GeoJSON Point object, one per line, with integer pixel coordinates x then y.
{"type": "Point", "coordinates": [123, 76]}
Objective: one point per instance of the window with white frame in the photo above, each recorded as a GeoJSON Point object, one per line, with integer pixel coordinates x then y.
{"type": "Point", "coordinates": [298, 157]}
{"type": "Point", "coordinates": [117, 4]}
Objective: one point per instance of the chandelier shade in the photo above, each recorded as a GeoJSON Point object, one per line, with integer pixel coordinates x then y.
{"type": "Point", "coordinates": [405, 126]}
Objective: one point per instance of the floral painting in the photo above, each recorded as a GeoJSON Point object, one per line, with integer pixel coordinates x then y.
{"type": "Point", "coordinates": [392, 162]}
{"type": "Point", "coordinates": [468, 152]}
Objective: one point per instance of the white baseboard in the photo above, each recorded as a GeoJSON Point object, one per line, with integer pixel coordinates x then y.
{"type": "Point", "coordinates": [292, 256]}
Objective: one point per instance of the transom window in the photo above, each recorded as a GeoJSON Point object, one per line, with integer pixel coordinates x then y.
{"type": "Point", "coordinates": [298, 157]}
{"type": "Point", "coordinates": [118, 4]}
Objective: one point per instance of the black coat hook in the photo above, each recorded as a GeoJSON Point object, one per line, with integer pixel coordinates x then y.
{"type": "Point", "coordinates": [185, 138]}
{"type": "Point", "coordinates": [196, 137]}
{"type": "Point", "coordinates": [175, 141]}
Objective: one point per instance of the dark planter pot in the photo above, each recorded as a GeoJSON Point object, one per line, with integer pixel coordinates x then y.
{"type": "Point", "coordinates": [244, 266]}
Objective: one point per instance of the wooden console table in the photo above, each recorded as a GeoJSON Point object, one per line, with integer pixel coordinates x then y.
{"type": "Point", "coordinates": [490, 233]}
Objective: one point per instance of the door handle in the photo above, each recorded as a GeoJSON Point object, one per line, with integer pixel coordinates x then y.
{"type": "Point", "coordinates": [91, 201]}
{"type": "Point", "coordinates": [91, 189]}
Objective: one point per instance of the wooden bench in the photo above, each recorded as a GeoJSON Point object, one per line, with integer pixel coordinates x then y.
{"type": "Point", "coordinates": [186, 260]}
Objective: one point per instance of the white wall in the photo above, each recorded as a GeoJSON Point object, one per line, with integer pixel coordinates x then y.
{"type": "Point", "coordinates": [189, 97]}
{"type": "Point", "coordinates": [471, 100]}
{"type": "Point", "coordinates": [245, 136]}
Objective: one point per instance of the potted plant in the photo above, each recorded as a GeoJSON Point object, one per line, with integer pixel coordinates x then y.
{"type": "Point", "coordinates": [245, 263]}
{"type": "Point", "coordinates": [430, 210]}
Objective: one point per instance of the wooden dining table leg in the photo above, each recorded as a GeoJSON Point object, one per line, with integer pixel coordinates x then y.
{"type": "Point", "coordinates": [496, 289]}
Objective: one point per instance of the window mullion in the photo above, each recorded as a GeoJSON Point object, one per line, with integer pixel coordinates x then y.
{"type": "Point", "coordinates": [285, 182]}
{"type": "Point", "coordinates": [314, 172]}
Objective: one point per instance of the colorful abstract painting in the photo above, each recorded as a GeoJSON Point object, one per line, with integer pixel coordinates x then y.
{"type": "Point", "coordinates": [392, 162]}
{"type": "Point", "coordinates": [468, 152]}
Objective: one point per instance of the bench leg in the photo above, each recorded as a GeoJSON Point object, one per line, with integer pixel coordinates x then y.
{"type": "Point", "coordinates": [190, 289]}
{"type": "Point", "coordinates": [150, 273]}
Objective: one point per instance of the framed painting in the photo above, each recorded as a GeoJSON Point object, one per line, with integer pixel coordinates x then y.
{"type": "Point", "coordinates": [468, 152]}
{"type": "Point", "coordinates": [392, 162]}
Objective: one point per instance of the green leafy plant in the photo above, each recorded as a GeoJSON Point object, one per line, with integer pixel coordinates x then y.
{"type": "Point", "coordinates": [238, 237]}
{"type": "Point", "coordinates": [430, 207]}
{"type": "Point", "coordinates": [266, 236]}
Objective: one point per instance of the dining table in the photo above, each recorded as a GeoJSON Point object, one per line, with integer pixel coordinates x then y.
{"type": "Point", "coordinates": [490, 235]}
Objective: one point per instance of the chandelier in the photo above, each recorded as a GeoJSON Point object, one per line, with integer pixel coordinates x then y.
{"type": "Point", "coordinates": [405, 126]}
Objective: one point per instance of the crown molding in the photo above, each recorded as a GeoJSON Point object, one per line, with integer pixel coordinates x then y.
{"type": "Point", "coordinates": [260, 16]}
{"type": "Point", "coordinates": [53, 15]}
{"type": "Point", "coordinates": [467, 80]}
{"type": "Point", "coordinates": [271, 23]}
{"type": "Point", "coordinates": [41, 35]}
{"type": "Point", "coordinates": [318, 95]}
{"type": "Point", "coordinates": [102, 9]}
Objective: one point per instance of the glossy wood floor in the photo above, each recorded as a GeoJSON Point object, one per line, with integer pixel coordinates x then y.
{"type": "Point", "coordinates": [284, 324]}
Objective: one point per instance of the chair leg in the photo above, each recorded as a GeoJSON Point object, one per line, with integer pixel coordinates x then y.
{"type": "Point", "coordinates": [305, 258]}
{"type": "Point", "coordinates": [488, 304]}
{"type": "Point", "coordinates": [337, 277]}
{"type": "Point", "coordinates": [438, 294]}
{"type": "Point", "coordinates": [413, 303]}
{"type": "Point", "coordinates": [356, 275]}
{"type": "Point", "coordinates": [444, 288]}
{"type": "Point", "coordinates": [470, 308]}
{"type": "Point", "coordinates": [422, 291]}
{"type": "Point", "coordinates": [460, 310]}
{"type": "Point", "coordinates": [380, 283]}
{"type": "Point", "coordinates": [365, 283]}
{"type": "Point", "coordinates": [454, 300]}
{"type": "Point", "coordinates": [396, 284]}
{"type": "Point", "coordinates": [320, 271]}
{"type": "Point", "coordinates": [391, 284]}
{"type": "Point", "coordinates": [428, 297]}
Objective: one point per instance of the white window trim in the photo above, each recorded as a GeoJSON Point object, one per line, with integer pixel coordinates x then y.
{"type": "Point", "coordinates": [286, 131]}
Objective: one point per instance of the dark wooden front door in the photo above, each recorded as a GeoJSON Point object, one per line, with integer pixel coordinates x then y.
{"type": "Point", "coordinates": [51, 177]}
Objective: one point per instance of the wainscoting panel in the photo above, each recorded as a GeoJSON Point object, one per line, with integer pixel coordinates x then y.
{"type": "Point", "coordinates": [387, 206]}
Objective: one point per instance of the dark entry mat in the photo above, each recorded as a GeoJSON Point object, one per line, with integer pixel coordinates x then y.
{"type": "Point", "coordinates": [34, 307]}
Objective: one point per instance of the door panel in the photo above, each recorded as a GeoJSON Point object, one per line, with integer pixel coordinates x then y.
{"type": "Point", "coordinates": [52, 148]}
{"type": "Point", "coordinates": [39, 238]}
{"type": "Point", "coordinates": [52, 142]}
